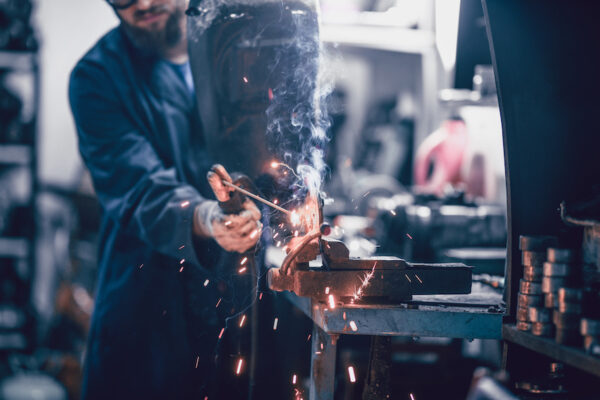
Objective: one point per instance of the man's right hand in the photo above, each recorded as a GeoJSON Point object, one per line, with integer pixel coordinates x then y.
{"type": "Point", "coordinates": [234, 232]}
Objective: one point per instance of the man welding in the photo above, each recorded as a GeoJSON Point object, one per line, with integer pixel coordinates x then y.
{"type": "Point", "coordinates": [154, 327]}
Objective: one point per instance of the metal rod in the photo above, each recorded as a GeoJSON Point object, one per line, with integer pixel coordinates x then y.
{"type": "Point", "coordinates": [247, 193]}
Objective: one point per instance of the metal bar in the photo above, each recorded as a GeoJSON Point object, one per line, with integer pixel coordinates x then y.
{"type": "Point", "coordinates": [322, 365]}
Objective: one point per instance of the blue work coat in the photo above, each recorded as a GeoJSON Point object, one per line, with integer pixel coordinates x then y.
{"type": "Point", "coordinates": [154, 327]}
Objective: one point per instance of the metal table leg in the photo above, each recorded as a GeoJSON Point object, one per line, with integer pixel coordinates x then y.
{"type": "Point", "coordinates": [322, 365]}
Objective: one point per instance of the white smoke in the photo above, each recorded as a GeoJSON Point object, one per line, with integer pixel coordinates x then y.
{"type": "Point", "coordinates": [298, 104]}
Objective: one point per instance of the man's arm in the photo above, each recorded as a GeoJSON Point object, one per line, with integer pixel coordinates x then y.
{"type": "Point", "coordinates": [132, 184]}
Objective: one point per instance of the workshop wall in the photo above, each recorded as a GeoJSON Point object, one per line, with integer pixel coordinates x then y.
{"type": "Point", "coordinates": [67, 28]}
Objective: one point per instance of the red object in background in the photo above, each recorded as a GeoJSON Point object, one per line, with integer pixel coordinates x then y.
{"type": "Point", "coordinates": [442, 152]}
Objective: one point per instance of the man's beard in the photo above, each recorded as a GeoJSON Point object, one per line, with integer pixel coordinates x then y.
{"type": "Point", "coordinates": [159, 41]}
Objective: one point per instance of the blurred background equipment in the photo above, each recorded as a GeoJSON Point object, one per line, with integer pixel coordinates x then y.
{"type": "Point", "coordinates": [430, 101]}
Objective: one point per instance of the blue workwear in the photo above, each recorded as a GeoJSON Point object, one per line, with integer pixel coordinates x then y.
{"type": "Point", "coordinates": [154, 326]}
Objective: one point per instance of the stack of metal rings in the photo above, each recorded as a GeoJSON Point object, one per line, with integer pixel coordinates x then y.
{"type": "Point", "coordinates": [590, 330]}
{"type": "Point", "coordinates": [531, 314]}
{"type": "Point", "coordinates": [561, 285]}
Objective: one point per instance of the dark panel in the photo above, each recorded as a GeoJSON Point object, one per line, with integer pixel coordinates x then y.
{"type": "Point", "coordinates": [472, 45]}
{"type": "Point", "coordinates": [546, 61]}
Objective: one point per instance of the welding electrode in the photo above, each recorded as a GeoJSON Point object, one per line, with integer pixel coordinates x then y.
{"type": "Point", "coordinates": [249, 194]}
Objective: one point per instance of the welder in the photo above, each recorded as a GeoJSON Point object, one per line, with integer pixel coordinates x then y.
{"type": "Point", "coordinates": [154, 327]}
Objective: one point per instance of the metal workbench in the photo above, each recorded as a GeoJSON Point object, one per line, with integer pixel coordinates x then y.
{"type": "Point", "coordinates": [474, 316]}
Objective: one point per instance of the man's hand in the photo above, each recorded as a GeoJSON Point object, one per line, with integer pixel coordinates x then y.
{"type": "Point", "coordinates": [234, 232]}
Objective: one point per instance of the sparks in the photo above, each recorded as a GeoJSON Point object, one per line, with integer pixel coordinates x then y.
{"type": "Point", "coordinates": [221, 333]}
{"type": "Point", "coordinates": [181, 269]}
{"type": "Point", "coordinates": [321, 345]}
{"type": "Point", "coordinates": [239, 366]}
{"type": "Point", "coordinates": [206, 282]}
{"type": "Point", "coordinates": [260, 296]}
{"type": "Point", "coordinates": [296, 234]}
{"type": "Point", "coordinates": [227, 223]}
{"type": "Point", "coordinates": [365, 282]}
{"type": "Point", "coordinates": [294, 218]}
{"type": "Point", "coordinates": [278, 244]}
{"type": "Point", "coordinates": [408, 236]}
{"type": "Point", "coordinates": [275, 235]}
{"type": "Point", "coordinates": [327, 290]}
{"type": "Point", "coordinates": [344, 316]}
{"type": "Point", "coordinates": [181, 247]}
{"type": "Point", "coordinates": [242, 320]}
{"type": "Point", "coordinates": [351, 374]}
{"type": "Point", "coordinates": [245, 79]}
{"type": "Point", "coordinates": [197, 361]}
{"type": "Point", "coordinates": [141, 265]}
{"type": "Point", "coordinates": [242, 270]}
{"type": "Point", "coordinates": [185, 204]}
{"type": "Point", "coordinates": [353, 326]}
{"type": "Point", "coordinates": [275, 324]}
{"type": "Point", "coordinates": [412, 397]}
{"type": "Point", "coordinates": [294, 379]}
{"type": "Point", "coordinates": [274, 164]}
{"type": "Point", "coordinates": [408, 278]}
{"type": "Point", "coordinates": [275, 201]}
{"type": "Point", "coordinates": [253, 234]}
{"type": "Point", "coordinates": [182, 261]}
{"type": "Point", "coordinates": [308, 338]}
{"type": "Point", "coordinates": [218, 302]}
{"type": "Point", "coordinates": [393, 212]}
{"type": "Point", "coordinates": [244, 260]}
{"type": "Point", "coordinates": [331, 302]}
{"type": "Point", "coordinates": [419, 279]}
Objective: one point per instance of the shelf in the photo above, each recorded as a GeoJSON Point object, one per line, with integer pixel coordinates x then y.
{"type": "Point", "coordinates": [573, 356]}
{"type": "Point", "coordinates": [393, 39]}
{"type": "Point", "coordinates": [14, 247]}
{"type": "Point", "coordinates": [15, 154]}
{"type": "Point", "coordinates": [19, 60]}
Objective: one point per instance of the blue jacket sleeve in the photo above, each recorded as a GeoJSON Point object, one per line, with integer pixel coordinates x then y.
{"type": "Point", "coordinates": [133, 186]}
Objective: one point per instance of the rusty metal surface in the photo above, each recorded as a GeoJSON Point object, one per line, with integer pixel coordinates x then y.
{"type": "Point", "coordinates": [476, 321]}
{"type": "Point", "coordinates": [322, 364]}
